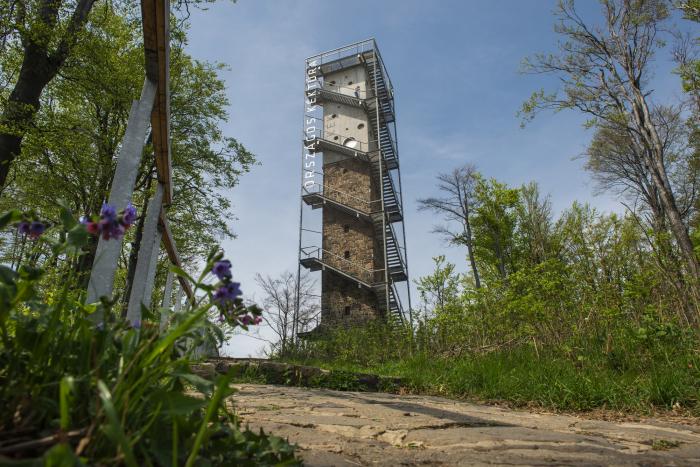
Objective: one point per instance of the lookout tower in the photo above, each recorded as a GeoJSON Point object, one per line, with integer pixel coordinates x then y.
{"type": "Point", "coordinates": [351, 219]}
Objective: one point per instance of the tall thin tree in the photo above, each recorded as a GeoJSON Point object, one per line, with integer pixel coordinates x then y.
{"type": "Point", "coordinates": [604, 72]}
{"type": "Point", "coordinates": [456, 207]}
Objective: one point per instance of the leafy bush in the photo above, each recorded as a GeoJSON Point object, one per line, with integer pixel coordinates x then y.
{"type": "Point", "coordinates": [73, 393]}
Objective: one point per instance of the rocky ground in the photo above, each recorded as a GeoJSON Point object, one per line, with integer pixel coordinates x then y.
{"type": "Point", "coordinates": [353, 428]}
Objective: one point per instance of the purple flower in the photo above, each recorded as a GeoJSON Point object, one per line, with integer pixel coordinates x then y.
{"type": "Point", "coordinates": [111, 230]}
{"type": "Point", "coordinates": [227, 293]}
{"type": "Point", "coordinates": [23, 228]}
{"type": "Point", "coordinates": [222, 269]}
{"type": "Point", "coordinates": [36, 228]}
{"type": "Point", "coordinates": [129, 216]}
{"type": "Point", "coordinates": [108, 213]}
{"type": "Point", "coordinates": [247, 320]}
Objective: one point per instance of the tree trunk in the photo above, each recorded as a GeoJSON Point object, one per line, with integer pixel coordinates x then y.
{"type": "Point", "coordinates": [470, 251]}
{"type": "Point", "coordinates": [22, 105]}
{"type": "Point", "coordinates": [655, 154]}
{"type": "Point", "coordinates": [499, 256]}
{"type": "Point", "coordinates": [37, 70]}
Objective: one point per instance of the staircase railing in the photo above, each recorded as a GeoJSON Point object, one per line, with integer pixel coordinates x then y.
{"type": "Point", "coordinates": [364, 274]}
{"type": "Point", "coordinates": [359, 204]}
{"type": "Point", "coordinates": [350, 91]}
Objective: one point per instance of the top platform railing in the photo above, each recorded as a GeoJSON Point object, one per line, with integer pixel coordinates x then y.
{"type": "Point", "coordinates": [358, 48]}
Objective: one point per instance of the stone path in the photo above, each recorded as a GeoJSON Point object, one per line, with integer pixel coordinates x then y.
{"type": "Point", "coordinates": [351, 428]}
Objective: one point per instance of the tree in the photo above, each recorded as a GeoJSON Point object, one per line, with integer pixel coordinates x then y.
{"type": "Point", "coordinates": [689, 64]}
{"type": "Point", "coordinates": [534, 224]}
{"type": "Point", "coordinates": [457, 207]}
{"type": "Point", "coordinates": [495, 221]}
{"type": "Point", "coordinates": [81, 122]}
{"type": "Point", "coordinates": [280, 304]}
{"type": "Point", "coordinates": [46, 31]}
{"type": "Point", "coordinates": [440, 288]}
{"type": "Point", "coordinates": [604, 73]}
{"type": "Point", "coordinates": [618, 164]}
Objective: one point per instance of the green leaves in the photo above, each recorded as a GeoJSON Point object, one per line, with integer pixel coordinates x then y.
{"type": "Point", "coordinates": [66, 215]}
{"type": "Point", "coordinates": [176, 403]}
{"type": "Point", "coordinates": [65, 400]}
{"type": "Point", "coordinates": [113, 429]}
{"type": "Point", "coordinates": [222, 389]}
{"type": "Point", "coordinates": [77, 235]}
{"type": "Point", "coordinates": [10, 217]}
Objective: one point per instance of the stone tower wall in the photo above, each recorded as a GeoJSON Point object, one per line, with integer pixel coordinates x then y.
{"type": "Point", "coordinates": [348, 242]}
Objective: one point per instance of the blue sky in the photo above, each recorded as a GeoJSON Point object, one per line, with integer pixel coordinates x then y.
{"type": "Point", "coordinates": [454, 66]}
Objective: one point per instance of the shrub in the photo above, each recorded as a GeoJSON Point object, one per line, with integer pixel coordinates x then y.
{"type": "Point", "coordinates": [73, 393]}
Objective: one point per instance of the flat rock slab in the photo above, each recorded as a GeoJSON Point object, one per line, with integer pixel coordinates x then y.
{"type": "Point", "coordinates": [359, 428]}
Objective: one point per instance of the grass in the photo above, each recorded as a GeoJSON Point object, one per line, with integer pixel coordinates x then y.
{"type": "Point", "coordinates": [522, 377]}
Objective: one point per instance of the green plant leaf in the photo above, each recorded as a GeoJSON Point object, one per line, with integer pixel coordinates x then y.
{"type": "Point", "coordinates": [7, 275]}
{"type": "Point", "coordinates": [66, 215]}
{"type": "Point", "coordinates": [167, 341]}
{"type": "Point", "coordinates": [65, 391]}
{"type": "Point", "coordinates": [61, 455]}
{"type": "Point", "coordinates": [78, 236]}
{"type": "Point", "coordinates": [222, 387]}
{"type": "Point", "coordinates": [115, 431]}
{"type": "Point", "coordinates": [8, 217]}
{"type": "Point", "coordinates": [177, 403]}
{"type": "Point", "coordinates": [30, 273]}
{"type": "Point", "coordinates": [201, 384]}
{"type": "Point", "coordinates": [181, 272]}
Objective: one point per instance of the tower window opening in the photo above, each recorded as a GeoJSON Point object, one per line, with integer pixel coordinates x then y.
{"type": "Point", "coordinates": [334, 115]}
{"type": "Point", "coordinates": [350, 142]}
{"type": "Point", "coordinates": [335, 138]}
{"type": "Point", "coordinates": [346, 228]}
{"type": "Point", "coordinates": [347, 310]}
{"type": "Point", "coordinates": [347, 254]}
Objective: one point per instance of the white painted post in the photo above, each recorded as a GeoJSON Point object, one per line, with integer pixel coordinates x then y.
{"type": "Point", "coordinates": [152, 267]}
{"type": "Point", "coordinates": [107, 255]}
{"type": "Point", "coordinates": [178, 299]}
{"type": "Point", "coordinates": [165, 305]}
{"type": "Point", "coordinates": [144, 275]}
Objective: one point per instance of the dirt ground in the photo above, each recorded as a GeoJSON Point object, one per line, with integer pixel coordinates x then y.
{"type": "Point", "coordinates": [352, 428]}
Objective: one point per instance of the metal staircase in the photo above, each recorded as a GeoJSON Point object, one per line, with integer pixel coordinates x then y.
{"type": "Point", "coordinates": [392, 203]}
{"type": "Point", "coordinates": [377, 82]}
